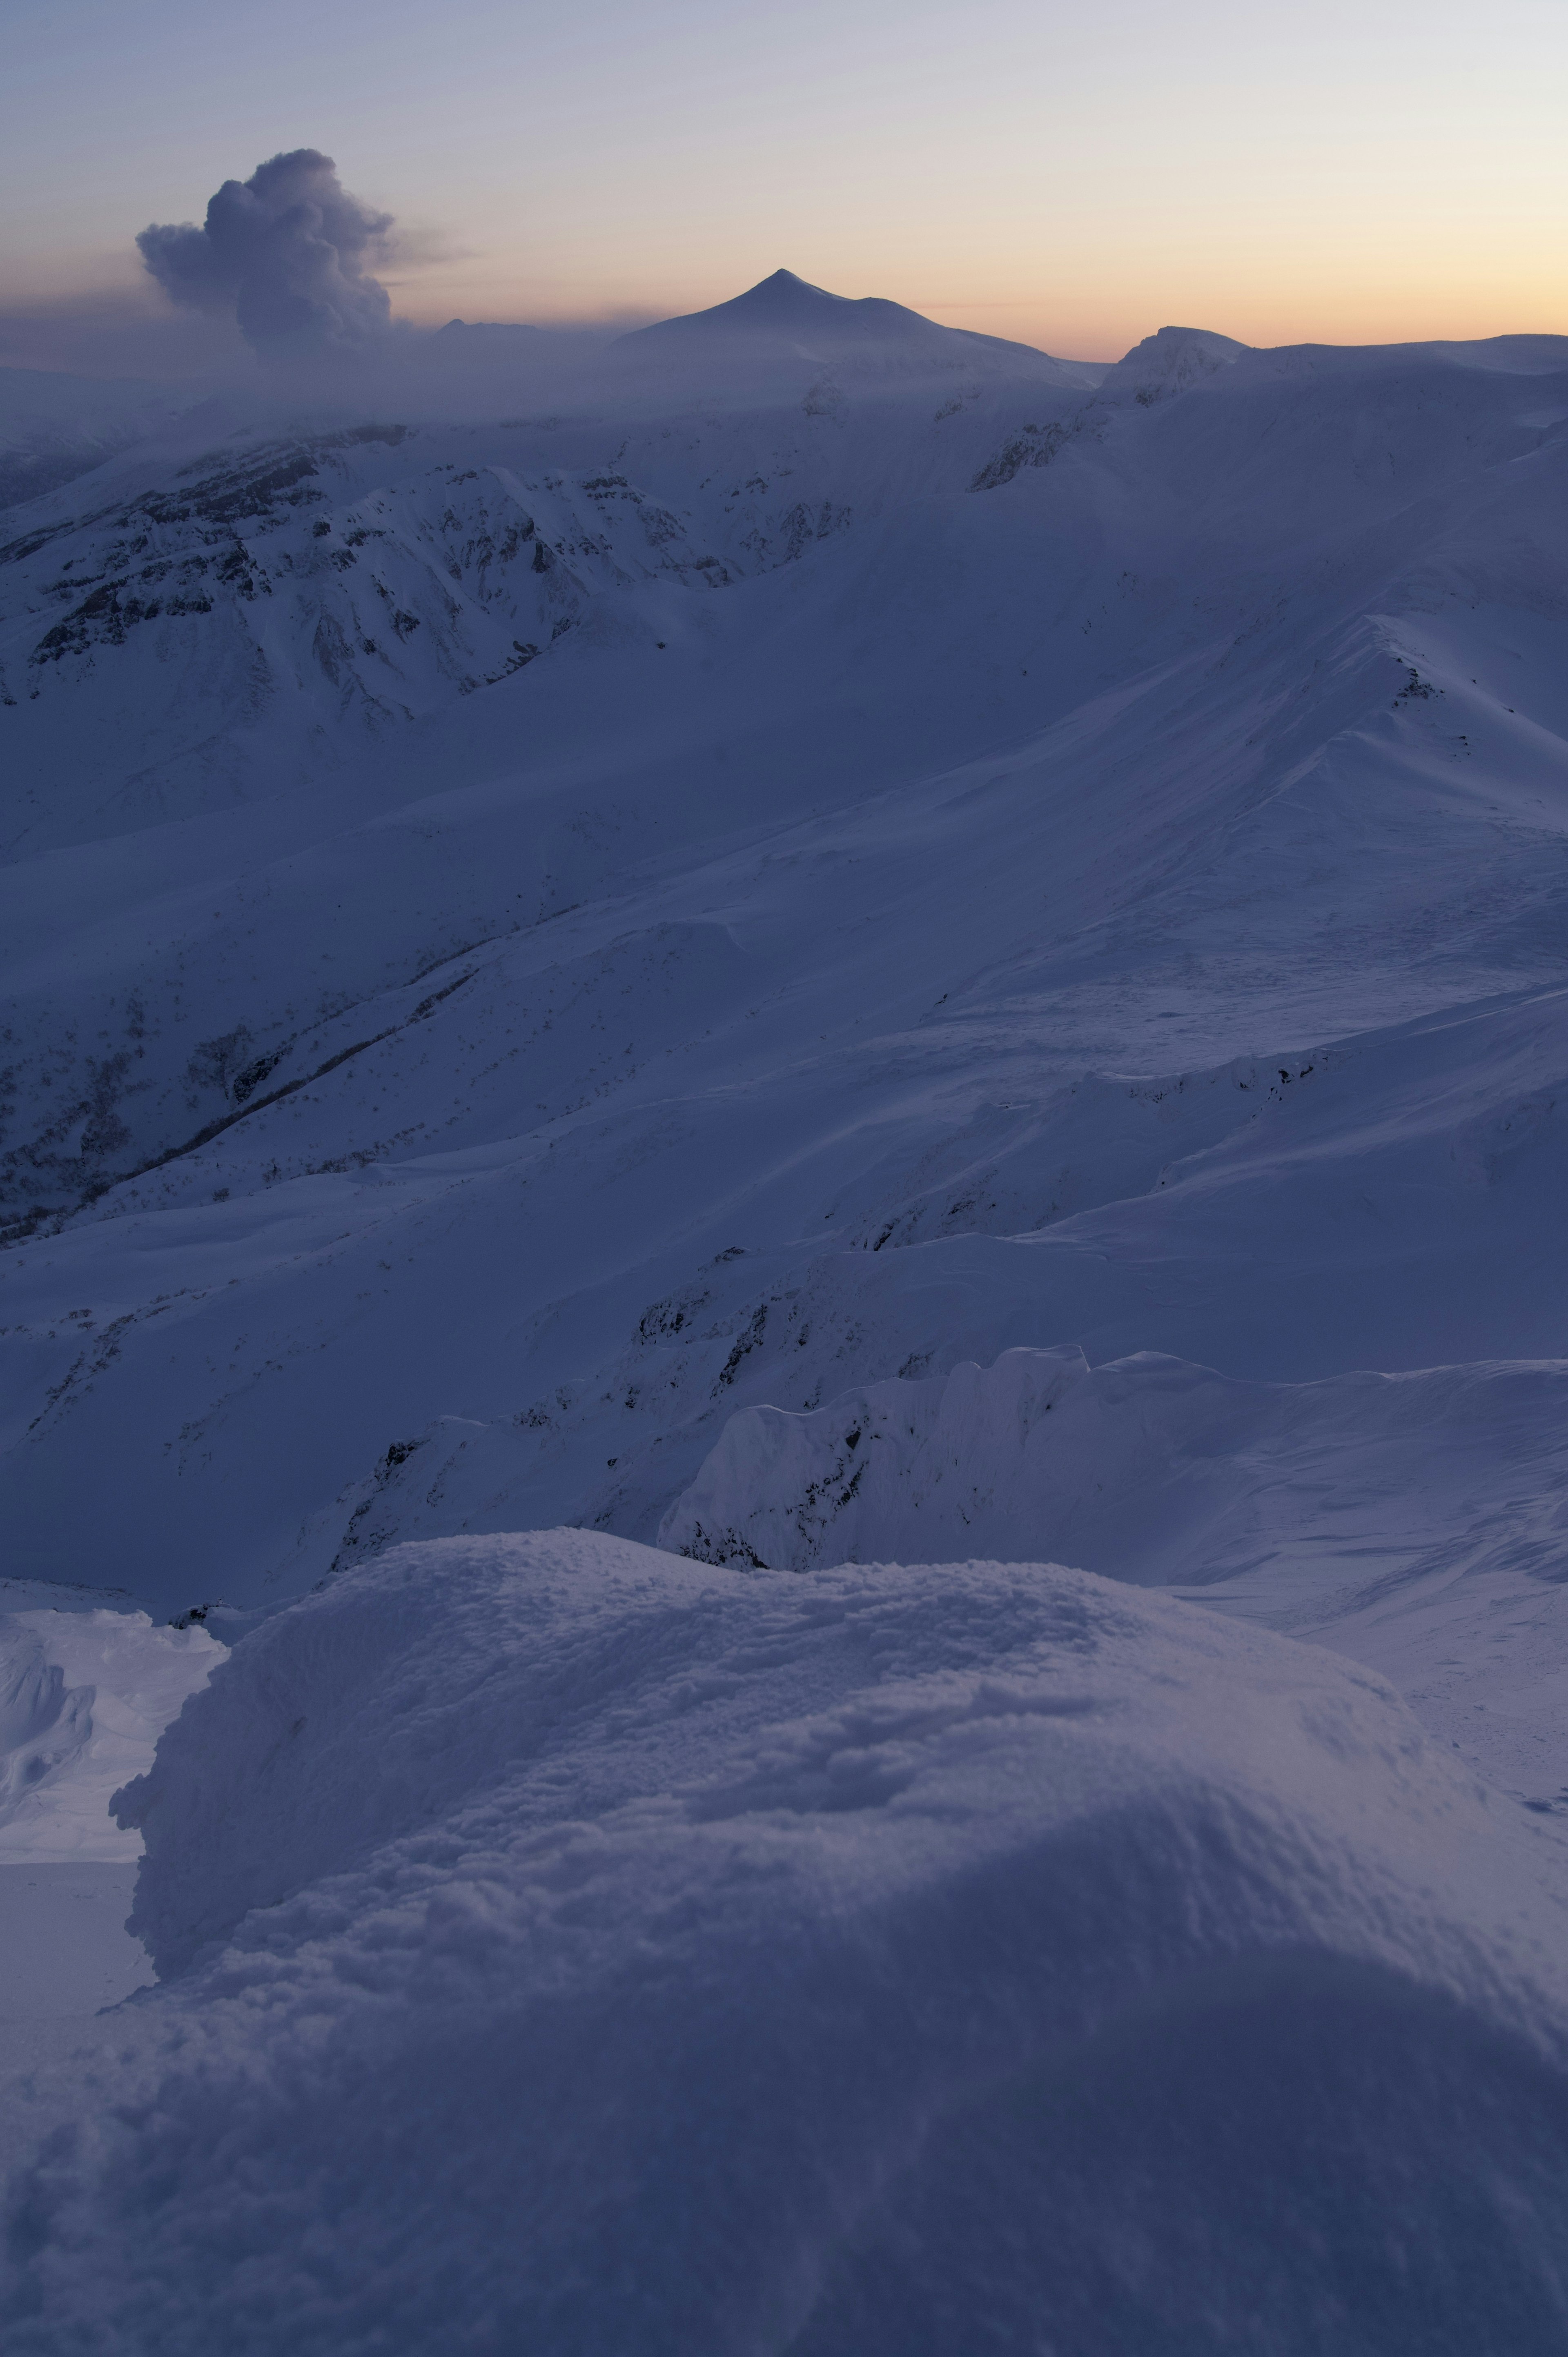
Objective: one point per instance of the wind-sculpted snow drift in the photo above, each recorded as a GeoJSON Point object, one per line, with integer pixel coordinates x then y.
{"type": "Point", "coordinates": [523, 1904]}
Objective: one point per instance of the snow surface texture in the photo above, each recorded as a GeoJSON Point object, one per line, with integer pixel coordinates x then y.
{"type": "Point", "coordinates": [1418, 1517]}
{"type": "Point", "coordinates": [65, 1956]}
{"type": "Point", "coordinates": [86, 1689]}
{"type": "Point", "coordinates": [523, 1902]}
{"type": "Point", "coordinates": [85, 1697]}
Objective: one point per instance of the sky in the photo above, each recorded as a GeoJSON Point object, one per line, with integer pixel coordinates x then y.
{"type": "Point", "coordinates": [1071, 175]}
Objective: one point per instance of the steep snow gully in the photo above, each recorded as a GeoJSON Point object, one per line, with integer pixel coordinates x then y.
{"type": "Point", "coordinates": [657, 1056]}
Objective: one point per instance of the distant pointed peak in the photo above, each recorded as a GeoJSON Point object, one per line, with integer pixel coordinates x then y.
{"type": "Point", "coordinates": [789, 281]}
{"type": "Point", "coordinates": [786, 304]}
{"type": "Point", "coordinates": [786, 290]}
{"type": "Point", "coordinates": [786, 314]}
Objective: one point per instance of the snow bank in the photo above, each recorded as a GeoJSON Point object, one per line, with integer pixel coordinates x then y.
{"type": "Point", "coordinates": [577, 1948]}
{"type": "Point", "coordinates": [83, 1698]}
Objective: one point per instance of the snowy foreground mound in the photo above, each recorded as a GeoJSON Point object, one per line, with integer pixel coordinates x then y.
{"type": "Point", "coordinates": [569, 1948]}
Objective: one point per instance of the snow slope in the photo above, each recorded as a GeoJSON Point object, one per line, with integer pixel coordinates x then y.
{"type": "Point", "coordinates": [994, 861]}
{"type": "Point", "coordinates": [834, 944]}
{"type": "Point", "coordinates": [1414, 1521]}
{"type": "Point", "coordinates": [521, 1905]}
{"type": "Point", "coordinates": [54, 427]}
{"type": "Point", "coordinates": [84, 1696]}
{"type": "Point", "coordinates": [86, 1686]}
{"type": "Point", "coordinates": [783, 319]}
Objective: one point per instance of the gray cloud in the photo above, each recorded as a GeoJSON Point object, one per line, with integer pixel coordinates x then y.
{"type": "Point", "coordinates": [283, 253]}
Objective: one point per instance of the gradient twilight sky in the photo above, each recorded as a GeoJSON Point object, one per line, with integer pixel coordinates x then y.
{"type": "Point", "coordinates": [1074, 173]}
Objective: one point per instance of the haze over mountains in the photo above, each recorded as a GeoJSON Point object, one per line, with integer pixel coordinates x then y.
{"type": "Point", "coordinates": [811, 940]}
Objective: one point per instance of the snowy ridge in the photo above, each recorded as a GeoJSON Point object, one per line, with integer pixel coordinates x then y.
{"type": "Point", "coordinates": [1383, 1513]}
{"type": "Point", "coordinates": [1137, 1469]}
{"type": "Point", "coordinates": [294, 587]}
{"type": "Point", "coordinates": [54, 427]}
{"type": "Point", "coordinates": [1117, 908]}
{"type": "Point", "coordinates": [521, 1905]}
{"type": "Point", "coordinates": [836, 941]}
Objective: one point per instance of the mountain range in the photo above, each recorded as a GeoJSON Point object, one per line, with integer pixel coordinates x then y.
{"type": "Point", "coordinates": [704, 1041]}
{"type": "Point", "coordinates": [523, 939]}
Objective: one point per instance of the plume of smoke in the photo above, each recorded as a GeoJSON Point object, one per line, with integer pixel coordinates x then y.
{"type": "Point", "coordinates": [283, 253]}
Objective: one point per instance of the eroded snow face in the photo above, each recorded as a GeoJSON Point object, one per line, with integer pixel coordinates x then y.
{"type": "Point", "coordinates": [570, 1946]}
{"type": "Point", "coordinates": [85, 1697]}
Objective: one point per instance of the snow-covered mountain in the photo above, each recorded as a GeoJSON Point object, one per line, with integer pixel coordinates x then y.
{"type": "Point", "coordinates": [827, 944]}
{"type": "Point", "coordinates": [991, 830]}
{"type": "Point", "coordinates": [524, 940]}
{"type": "Point", "coordinates": [783, 319]}
{"type": "Point", "coordinates": [54, 427]}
